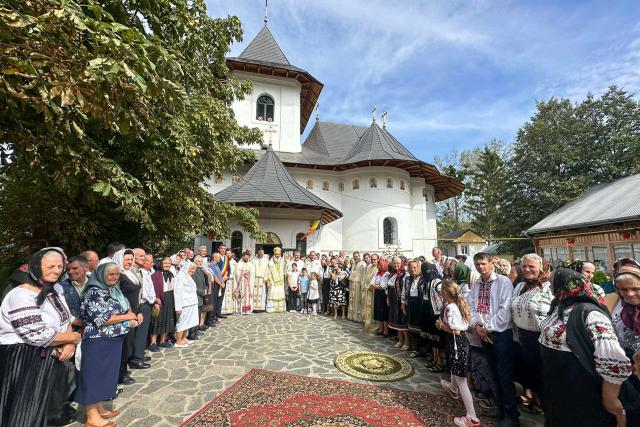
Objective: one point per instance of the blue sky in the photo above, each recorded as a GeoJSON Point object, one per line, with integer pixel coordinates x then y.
{"type": "Point", "coordinates": [450, 74]}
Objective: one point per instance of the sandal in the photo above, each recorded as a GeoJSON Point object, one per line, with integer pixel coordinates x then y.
{"type": "Point", "coordinates": [414, 354]}
{"type": "Point", "coordinates": [110, 414]}
{"type": "Point", "coordinates": [405, 348]}
{"type": "Point", "coordinates": [437, 368]}
{"type": "Point", "coordinates": [430, 364]}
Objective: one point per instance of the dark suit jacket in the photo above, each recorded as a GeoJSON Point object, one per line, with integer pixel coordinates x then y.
{"type": "Point", "coordinates": [131, 292]}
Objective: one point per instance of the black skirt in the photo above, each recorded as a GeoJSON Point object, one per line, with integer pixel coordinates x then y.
{"type": "Point", "coordinates": [26, 374]}
{"type": "Point", "coordinates": [166, 321]}
{"type": "Point", "coordinates": [433, 334]}
{"type": "Point", "coordinates": [326, 287]}
{"type": "Point", "coordinates": [100, 366]}
{"type": "Point", "coordinates": [380, 307]}
{"type": "Point", "coordinates": [457, 352]}
{"type": "Point", "coordinates": [397, 319]}
{"type": "Point", "coordinates": [572, 397]}
{"type": "Point", "coordinates": [414, 314]}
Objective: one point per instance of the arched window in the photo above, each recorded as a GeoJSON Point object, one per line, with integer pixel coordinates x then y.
{"type": "Point", "coordinates": [402, 184]}
{"type": "Point", "coordinates": [373, 183]}
{"type": "Point", "coordinates": [355, 184]}
{"type": "Point", "coordinates": [325, 185]}
{"type": "Point", "coordinates": [390, 231]}
{"type": "Point", "coordinates": [341, 186]}
{"type": "Point", "coordinates": [309, 185]}
{"type": "Point", "coordinates": [389, 183]}
{"type": "Point", "coordinates": [301, 245]}
{"type": "Point", "coordinates": [236, 243]}
{"type": "Point", "coordinates": [264, 108]}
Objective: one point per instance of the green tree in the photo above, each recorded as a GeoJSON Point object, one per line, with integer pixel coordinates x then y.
{"type": "Point", "coordinates": [485, 188]}
{"type": "Point", "coordinates": [115, 113]}
{"type": "Point", "coordinates": [451, 213]}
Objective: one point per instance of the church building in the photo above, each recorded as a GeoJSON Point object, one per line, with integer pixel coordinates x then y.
{"type": "Point", "coordinates": [369, 192]}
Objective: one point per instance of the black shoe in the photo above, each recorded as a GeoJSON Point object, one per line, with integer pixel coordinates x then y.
{"type": "Point", "coordinates": [221, 316]}
{"type": "Point", "coordinates": [62, 420]}
{"type": "Point", "coordinates": [147, 358]}
{"type": "Point", "coordinates": [192, 338]}
{"type": "Point", "coordinates": [126, 380]}
{"type": "Point", "coordinates": [492, 413]}
{"type": "Point", "coordinates": [118, 391]}
{"type": "Point", "coordinates": [137, 364]}
{"type": "Point", "coordinates": [203, 328]}
{"type": "Point", "coordinates": [211, 324]}
{"type": "Point", "coordinates": [509, 422]}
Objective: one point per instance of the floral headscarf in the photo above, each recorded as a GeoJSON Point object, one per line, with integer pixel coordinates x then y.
{"type": "Point", "coordinates": [570, 287]}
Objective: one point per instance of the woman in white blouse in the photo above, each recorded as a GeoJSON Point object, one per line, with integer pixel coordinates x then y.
{"type": "Point", "coordinates": [529, 307]}
{"type": "Point", "coordinates": [186, 303]}
{"type": "Point", "coordinates": [35, 333]}
{"type": "Point", "coordinates": [583, 362]}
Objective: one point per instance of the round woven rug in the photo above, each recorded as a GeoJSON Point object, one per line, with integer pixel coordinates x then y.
{"type": "Point", "coordinates": [373, 366]}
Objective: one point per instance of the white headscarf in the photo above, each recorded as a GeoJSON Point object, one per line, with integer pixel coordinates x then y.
{"type": "Point", "coordinates": [118, 258]}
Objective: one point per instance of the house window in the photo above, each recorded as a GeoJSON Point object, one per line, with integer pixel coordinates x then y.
{"type": "Point", "coordinates": [600, 253]}
{"type": "Point", "coordinates": [355, 184]}
{"type": "Point", "coordinates": [464, 249]}
{"type": "Point", "coordinates": [309, 185]}
{"type": "Point", "coordinates": [402, 184]}
{"type": "Point", "coordinates": [373, 183]}
{"type": "Point", "coordinates": [390, 231]}
{"type": "Point", "coordinates": [301, 245]}
{"type": "Point", "coordinates": [389, 183]}
{"type": "Point", "coordinates": [236, 243]}
{"type": "Point", "coordinates": [622, 251]}
{"type": "Point", "coordinates": [341, 186]}
{"type": "Point", "coordinates": [264, 108]}
{"type": "Point", "coordinates": [579, 252]}
{"type": "Point", "coordinates": [325, 185]}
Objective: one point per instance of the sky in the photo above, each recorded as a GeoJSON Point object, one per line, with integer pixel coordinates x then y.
{"type": "Point", "coordinates": [450, 74]}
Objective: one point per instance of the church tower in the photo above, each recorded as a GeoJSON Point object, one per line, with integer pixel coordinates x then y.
{"type": "Point", "coordinates": [283, 95]}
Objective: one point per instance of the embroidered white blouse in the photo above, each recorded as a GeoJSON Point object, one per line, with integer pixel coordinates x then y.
{"type": "Point", "coordinates": [611, 363]}
{"type": "Point", "coordinates": [22, 321]}
{"type": "Point", "coordinates": [530, 309]}
{"type": "Point", "coordinates": [453, 318]}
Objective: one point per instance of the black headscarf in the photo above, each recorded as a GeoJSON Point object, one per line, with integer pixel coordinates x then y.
{"type": "Point", "coordinates": [429, 271]}
{"type": "Point", "coordinates": [570, 287]}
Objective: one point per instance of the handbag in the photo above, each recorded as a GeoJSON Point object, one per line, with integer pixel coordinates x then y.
{"type": "Point", "coordinates": [207, 302]}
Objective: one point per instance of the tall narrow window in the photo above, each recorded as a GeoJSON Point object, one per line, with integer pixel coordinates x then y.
{"type": "Point", "coordinates": [236, 243]}
{"type": "Point", "coordinates": [390, 231]}
{"type": "Point", "coordinates": [309, 184]}
{"type": "Point", "coordinates": [355, 184]}
{"type": "Point", "coordinates": [402, 184]}
{"type": "Point", "coordinates": [301, 245]}
{"type": "Point", "coordinates": [325, 185]}
{"type": "Point", "coordinates": [373, 183]}
{"type": "Point", "coordinates": [341, 186]}
{"type": "Point", "coordinates": [389, 183]}
{"type": "Point", "coordinates": [264, 108]}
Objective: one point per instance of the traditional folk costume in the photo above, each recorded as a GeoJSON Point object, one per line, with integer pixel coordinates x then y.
{"type": "Point", "coordinates": [432, 304]}
{"type": "Point", "coordinates": [355, 291]}
{"type": "Point", "coordinates": [275, 278]}
{"type": "Point", "coordinates": [411, 298]}
{"type": "Point", "coordinates": [397, 319]}
{"type": "Point", "coordinates": [228, 304]}
{"type": "Point", "coordinates": [186, 300]}
{"type": "Point", "coordinates": [626, 320]}
{"type": "Point", "coordinates": [245, 276]}
{"type": "Point", "coordinates": [579, 350]}
{"type": "Point", "coordinates": [368, 293]}
{"type": "Point", "coordinates": [259, 289]}
{"type": "Point", "coordinates": [165, 322]}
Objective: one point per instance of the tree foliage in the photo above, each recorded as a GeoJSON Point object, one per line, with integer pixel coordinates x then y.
{"type": "Point", "coordinates": [115, 113]}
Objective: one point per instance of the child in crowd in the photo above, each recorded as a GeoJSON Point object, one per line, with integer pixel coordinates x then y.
{"type": "Point", "coordinates": [303, 281]}
{"type": "Point", "coordinates": [454, 320]}
{"type": "Point", "coordinates": [292, 296]}
{"type": "Point", "coordinates": [314, 292]}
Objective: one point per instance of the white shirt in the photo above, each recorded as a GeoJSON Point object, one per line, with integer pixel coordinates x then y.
{"type": "Point", "coordinates": [453, 318]}
{"type": "Point", "coordinates": [313, 290]}
{"type": "Point", "coordinates": [314, 267]}
{"type": "Point", "coordinates": [530, 309]}
{"type": "Point", "coordinates": [22, 321]}
{"type": "Point", "coordinates": [184, 291]}
{"type": "Point", "coordinates": [105, 260]}
{"type": "Point", "coordinates": [148, 291]}
{"type": "Point", "coordinates": [498, 318]}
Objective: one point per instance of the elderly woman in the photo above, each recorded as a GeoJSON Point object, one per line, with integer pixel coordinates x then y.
{"type": "Point", "coordinates": [626, 320]}
{"type": "Point", "coordinates": [186, 303]}
{"type": "Point", "coordinates": [35, 334]}
{"type": "Point", "coordinates": [529, 307]}
{"type": "Point", "coordinates": [583, 362]}
{"type": "Point", "coordinates": [397, 317]}
{"type": "Point", "coordinates": [380, 307]}
{"type": "Point", "coordinates": [165, 322]}
{"type": "Point", "coordinates": [108, 318]}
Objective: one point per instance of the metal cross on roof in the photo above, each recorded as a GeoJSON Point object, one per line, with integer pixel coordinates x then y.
{"type": "Point", "coordinates": [317, 111]}
{"type": "Point", "coordinates": [384, 119]}
{"type": "Point", "coordinates": [373, 113]}
{"type": "Point", "coordinates": [266, 8]}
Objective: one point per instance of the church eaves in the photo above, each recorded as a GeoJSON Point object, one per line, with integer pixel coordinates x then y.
{"type": "Point", "coordinates": [269, 184]}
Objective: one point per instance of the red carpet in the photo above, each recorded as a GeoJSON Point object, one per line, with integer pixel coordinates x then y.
{"type": "Point", "coordinates": [265, 398]}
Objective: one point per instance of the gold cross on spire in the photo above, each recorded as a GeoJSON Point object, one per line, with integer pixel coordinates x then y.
{"type": "Point", "coordinates": [269, 131]}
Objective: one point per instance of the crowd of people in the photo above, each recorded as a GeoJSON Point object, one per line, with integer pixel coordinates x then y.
{"type": "Point", "coordinates": [72, 327]}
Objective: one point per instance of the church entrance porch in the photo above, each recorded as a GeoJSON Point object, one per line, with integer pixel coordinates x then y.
{"type": "Point", "coordinates": [271, 242]}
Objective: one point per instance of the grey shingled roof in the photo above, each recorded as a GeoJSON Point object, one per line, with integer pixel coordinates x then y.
{"type": "Point", "coordinates": [608, 203]}
{"type": "Point", "coordinates": [264, 48]}
{"type": "Point", "coordinates": [268, 183]}
{"type": "Point", "coordinates": [378, 144]}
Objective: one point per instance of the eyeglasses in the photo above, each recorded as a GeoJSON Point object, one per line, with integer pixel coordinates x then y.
{"type": "Point", "coordinates": [621, 262]}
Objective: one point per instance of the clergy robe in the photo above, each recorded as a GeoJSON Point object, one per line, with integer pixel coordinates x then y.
{"type": "Point", "coordinates": [244, 278]}
{"type": "Point", "coordinates": [368, 293]}
{"type": "Point", "coordinates": [355, 292]}
{"type": "Point", "coordinates": [275, 278]}
{"type": "Point", "coordinates": [227, 302]}
{"type": "Point", "coordinates": [259, 292]}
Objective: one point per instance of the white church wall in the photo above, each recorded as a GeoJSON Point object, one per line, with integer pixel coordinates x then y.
{"type": "Point", "coordinates": [285, 135]}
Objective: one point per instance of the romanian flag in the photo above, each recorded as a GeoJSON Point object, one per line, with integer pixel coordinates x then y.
{"type": "Point", "coordinates": [313, 228]}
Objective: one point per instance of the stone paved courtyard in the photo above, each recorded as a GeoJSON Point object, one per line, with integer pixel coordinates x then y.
{"type": "Point", "coordinates": [181, 381]}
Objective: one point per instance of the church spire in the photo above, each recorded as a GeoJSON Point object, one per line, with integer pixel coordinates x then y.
{"type": "Point", "coordinates": [384, 119]}
{"type": "Point", "coordinates": [373, 114]}
{"type": "Point", "coordinates": [266, 11]}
